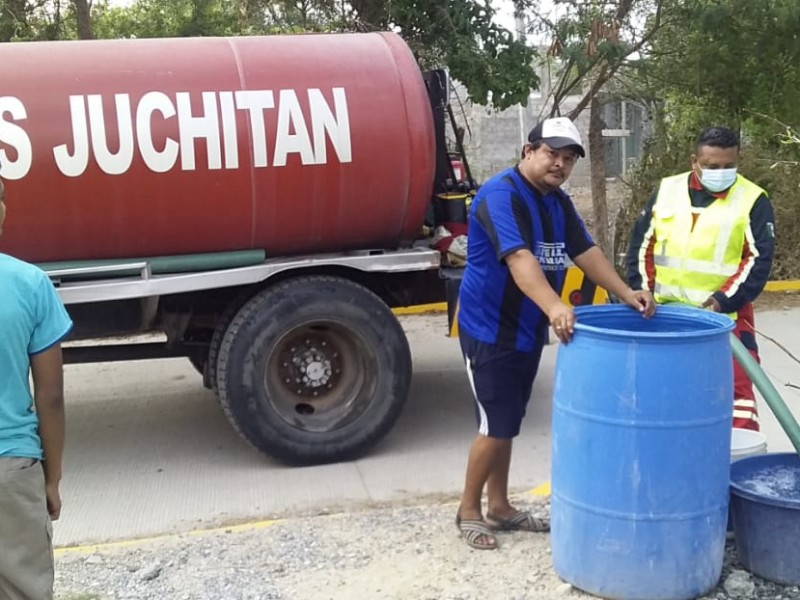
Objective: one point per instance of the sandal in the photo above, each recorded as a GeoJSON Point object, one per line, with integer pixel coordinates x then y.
{"type": "Point", "coordinates": [521, 520]}
{"type": "Point", "coordinates": [475, 530]}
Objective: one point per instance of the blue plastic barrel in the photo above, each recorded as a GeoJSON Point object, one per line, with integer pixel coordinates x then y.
{"type": "Point", "coordinates": [641, 452]}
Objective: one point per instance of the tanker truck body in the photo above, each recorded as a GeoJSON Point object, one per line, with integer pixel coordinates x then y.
{"type": "Point", "coordinates": [254, 201]}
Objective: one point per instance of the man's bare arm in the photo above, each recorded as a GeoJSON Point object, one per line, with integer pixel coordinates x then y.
{"type": "Point", "coordinates": [597, 268]}
{"type": "Point", "coordinates": [531, 280]}
{"type": "Point", "coordinates": [48, 395]}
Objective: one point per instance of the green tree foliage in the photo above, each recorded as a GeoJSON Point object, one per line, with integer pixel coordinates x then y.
{"type": "Point", "coordinates": [460, 35]}
{"type": "Point", "coordinates": [37, 20]}
{"type": "Point", "coordinates": [157, 18]}
{"type": "Point", "coordinates": [732, 63]}
{"type": "Point", "coordinates": [589, 43]}
{"type": "Point", "coordinates": [593, 40]}
{"type": "Point", "coordinates": [727, 61]}
{"type": "Point", "coordinates": [744, 55]}
{"type": "Point", "coordinates": [14, 20]}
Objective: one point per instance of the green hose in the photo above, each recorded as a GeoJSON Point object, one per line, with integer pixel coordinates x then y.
{"type": "Point", "coordinates": [771, 395]}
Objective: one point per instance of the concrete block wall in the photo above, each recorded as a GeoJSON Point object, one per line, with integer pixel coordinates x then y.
{"type": "Point", "coordinates": [494, 138]}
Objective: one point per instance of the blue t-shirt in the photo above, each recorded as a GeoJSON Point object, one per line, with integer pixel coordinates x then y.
{"type": "Point", "coordinates": [32, 320]}
{"type": "Point", "coordinates": [509, 214]}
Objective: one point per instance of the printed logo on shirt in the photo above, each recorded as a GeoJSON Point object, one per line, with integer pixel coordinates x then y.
{"type": "Point", "coordinates": [551, 256]}
{"type": "Point", "coordinates": [771, 230]}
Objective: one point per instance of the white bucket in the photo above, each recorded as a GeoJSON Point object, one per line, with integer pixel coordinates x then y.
{"type": "Point", "coordinates": [746, 442]}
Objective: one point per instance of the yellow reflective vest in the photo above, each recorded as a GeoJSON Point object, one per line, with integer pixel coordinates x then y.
{"type": "Point", "coordinates": [695, 257]}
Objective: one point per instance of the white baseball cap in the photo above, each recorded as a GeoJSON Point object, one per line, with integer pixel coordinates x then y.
{"type": "Point", "coordinates": [558, 132]}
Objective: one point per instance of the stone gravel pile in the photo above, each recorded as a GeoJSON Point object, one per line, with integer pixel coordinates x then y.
{"type": "Point", "coordinates": [410, 553]}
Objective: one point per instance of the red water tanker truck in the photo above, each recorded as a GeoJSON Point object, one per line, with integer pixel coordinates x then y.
{"type": "Point", "coordinates": [255, 202]}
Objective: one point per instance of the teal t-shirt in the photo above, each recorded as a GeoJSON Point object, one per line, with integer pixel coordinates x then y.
{"type": "Point", "coordinates": [32, 320]}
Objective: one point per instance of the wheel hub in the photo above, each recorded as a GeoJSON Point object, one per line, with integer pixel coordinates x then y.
{"type": "Point", "coordinates": [310, 367]}
{"type": "Point", "coordinates": [317, 372]}
{"type": "Point", "coordinates": [320, 376]}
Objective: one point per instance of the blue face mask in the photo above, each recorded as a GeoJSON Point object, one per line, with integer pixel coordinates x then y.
{"type": "Point", "coordinates": [717, 180]}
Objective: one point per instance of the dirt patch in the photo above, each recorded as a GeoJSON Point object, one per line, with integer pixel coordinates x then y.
{"type": "Point", "coordinates": [771, 301]}
{"type": "Point", "coordinates": [615, 198]}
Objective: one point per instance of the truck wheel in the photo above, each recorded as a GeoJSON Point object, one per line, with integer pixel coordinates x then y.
{"type": "Point", "coordinates": [223, 322]}
{"type": "Point", "coordinates": [314, 370]}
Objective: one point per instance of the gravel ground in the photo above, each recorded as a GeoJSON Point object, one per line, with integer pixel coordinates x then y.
{"type": "Point", "coordinates": [408, 553]}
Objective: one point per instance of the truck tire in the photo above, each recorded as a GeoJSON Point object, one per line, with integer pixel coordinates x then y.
{"type": "Point", "coordinates": [222, 324]}
{"type": "Point", "coordinates": [314, 370]}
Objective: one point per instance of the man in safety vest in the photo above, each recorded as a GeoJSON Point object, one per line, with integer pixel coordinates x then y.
{"type": "Point", "coordinates": [707, 238]}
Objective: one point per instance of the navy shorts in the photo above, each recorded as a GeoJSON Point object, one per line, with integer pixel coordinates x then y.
{"type": "Point", "coordinates": [502, 381]}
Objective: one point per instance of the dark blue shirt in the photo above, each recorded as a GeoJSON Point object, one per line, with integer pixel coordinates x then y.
{"type": "Point", "coordinates": [509, 214]}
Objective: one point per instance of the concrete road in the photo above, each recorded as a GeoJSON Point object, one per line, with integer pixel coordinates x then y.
{"type": "Point", "coordinates": [150, 452]}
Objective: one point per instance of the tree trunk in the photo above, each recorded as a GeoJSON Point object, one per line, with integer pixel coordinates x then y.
{"type": "Point", "coordinates": [84, 17]}
{"type": "Point", "coordinates": [597, 161]}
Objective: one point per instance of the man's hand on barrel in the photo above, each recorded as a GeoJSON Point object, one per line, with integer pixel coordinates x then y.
{"type": "Point", "coordinates": [712, 304]}
{"type": "Point", "coordinates": [640, 300]}
{"type": "Point", "coordinates": [562, 318]}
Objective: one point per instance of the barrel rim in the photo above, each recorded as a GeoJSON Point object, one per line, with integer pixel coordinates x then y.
{"type": "Point", "coordinates": [716, 323]}
{"type": "Point", "coordinates": [741, 492]}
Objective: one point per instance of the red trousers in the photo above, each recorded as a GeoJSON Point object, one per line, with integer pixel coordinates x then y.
{"type": "Point", "coordinates": [745, 412]}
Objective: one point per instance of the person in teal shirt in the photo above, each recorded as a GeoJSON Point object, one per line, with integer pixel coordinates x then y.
{"type": "Point", "coordinates": [33, 322]}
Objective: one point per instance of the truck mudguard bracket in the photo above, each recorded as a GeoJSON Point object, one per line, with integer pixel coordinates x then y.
{"type": "Point", "coordinates": [147, 284]}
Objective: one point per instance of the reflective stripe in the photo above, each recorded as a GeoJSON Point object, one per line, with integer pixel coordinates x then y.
{"type": "Point", "coordinates": [680, 293]}
{"type": "Point", "coordinates": [726, 226]}
{"type": "Point", "coordinates": [745, 414]}
{"type": "Point", "coordinates": [743, 403]}
{"type": "Point", "coordinates": [670, 293]}
{"type": "Point", "coordinates": [706, 267]}
{"type": "Point", "coordinates": [723, 238]}
{"type": "Point", "coordinates": [647, 280]}
{"type": "Point", "coordinates": [699, 250]}
{"type": "Point", "coordinates": [750, 241]}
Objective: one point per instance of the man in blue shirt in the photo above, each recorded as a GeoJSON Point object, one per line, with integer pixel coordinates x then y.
{"type": "Point", "coordinates": [522, 229]}
{"type": "Point", "coordinates": [33, 322]}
